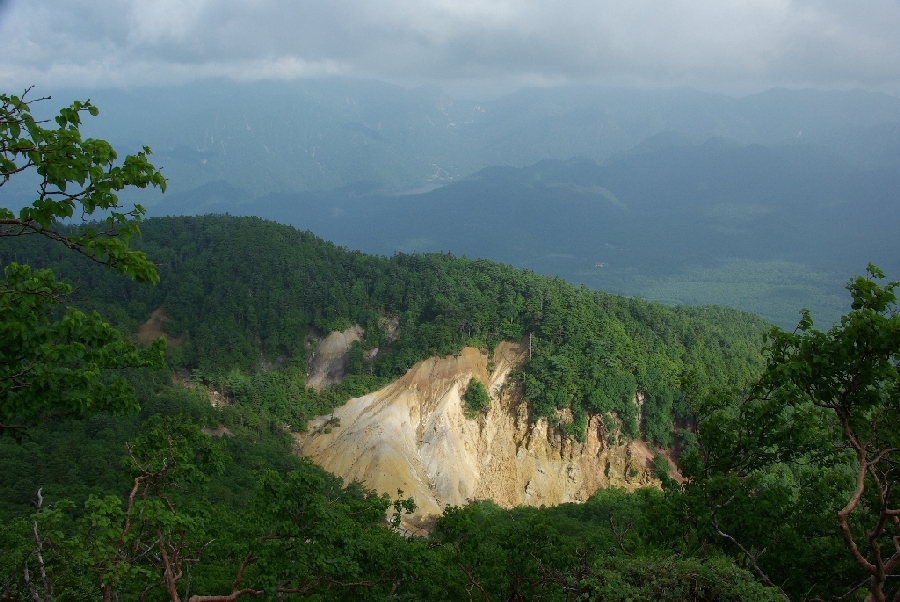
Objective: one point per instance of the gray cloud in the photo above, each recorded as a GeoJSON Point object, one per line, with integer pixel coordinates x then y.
{"type": "Point", "coordinates": [713, 44]}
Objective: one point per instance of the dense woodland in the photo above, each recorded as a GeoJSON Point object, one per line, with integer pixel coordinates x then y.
{"type": "Point", "coordinates": [243, 295]}
{"type": "Point", "coordinates": [766, 230]}
{"type": "Point", "coordinates": [240, 292]}
{"type": "Point", "coordinates": [120, 481]}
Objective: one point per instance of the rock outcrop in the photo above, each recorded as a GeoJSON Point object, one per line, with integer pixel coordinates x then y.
{"type": "Point", "coordinates": [328, 364]}
{"type": "Point", "coordinates": [413, 435]}
{"type": "Point", "coordinates": [151, 329]}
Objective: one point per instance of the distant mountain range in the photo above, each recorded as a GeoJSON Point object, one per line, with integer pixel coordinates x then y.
{"type": "Point", "coordinates": [325, 134]}
{"type": "Point", "coordinates": [769, 229]}
{"type": "Point", "coordinates": [766, 203]}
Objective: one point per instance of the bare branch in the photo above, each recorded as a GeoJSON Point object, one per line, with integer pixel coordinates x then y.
{"type": "Point", "coordinates": [751, 557]}
{"type": "Point", "coordinates": [620, 538]}
{"type": "Point", "coordinates": [229, 598]}
{"type": "Point", "coordinates": [38, 549]}
{"type": "Point", "coordinates": [469, 576]}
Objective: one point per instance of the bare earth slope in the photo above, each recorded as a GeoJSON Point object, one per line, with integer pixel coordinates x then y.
{"type": "Point", "coordinates": [329, 361]}
{"type": "Point", "coordinates": [413, 435]}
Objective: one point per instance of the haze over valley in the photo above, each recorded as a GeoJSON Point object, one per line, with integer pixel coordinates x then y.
{"type": "Point", "coordinates": [767, 203]}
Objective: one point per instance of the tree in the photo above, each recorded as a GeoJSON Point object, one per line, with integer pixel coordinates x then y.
{"type": "Point", "coordinates": [54, 366]}
{"type": "Point", "coordinates": [476, 398]}
{"type": "Point", "coordinates": [808, 461]}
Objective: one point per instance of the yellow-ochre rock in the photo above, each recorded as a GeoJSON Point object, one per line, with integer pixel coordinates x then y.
{"type": "Point", "coordinates": [413, 435]}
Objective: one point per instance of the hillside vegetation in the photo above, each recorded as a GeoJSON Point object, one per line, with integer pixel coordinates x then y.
{"type": "Point", "coordinates": [766, 230]}
{"type": "Point", "coordinates": [241, 292]}
{"type": "Point", "coordinates": [242, 299]}
{"type": "Point", "coordinates": [242, 295]}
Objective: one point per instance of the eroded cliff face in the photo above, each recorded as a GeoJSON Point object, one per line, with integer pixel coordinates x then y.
{"type": "Point", "coordinates": [328, 363]}
{"type": "Point", "coordinates": [413, 435]}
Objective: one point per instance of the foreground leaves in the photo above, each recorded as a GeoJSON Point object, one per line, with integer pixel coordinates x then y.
{"type": "Point", "coordinates": [56, 366]}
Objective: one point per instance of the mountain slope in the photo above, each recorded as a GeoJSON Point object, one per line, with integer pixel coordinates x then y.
{"type": "Point", "coordinates": [248, 301]}
{"type": "Point", "coordinates": [413, 435]}
{"type": "Point", "coordinates": [762, 229]}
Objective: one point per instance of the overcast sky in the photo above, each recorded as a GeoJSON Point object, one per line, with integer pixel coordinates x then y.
{"type": "Point", "coordinates": [467, 46]}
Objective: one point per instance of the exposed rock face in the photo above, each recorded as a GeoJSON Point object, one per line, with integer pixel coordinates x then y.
{"type": "Point", "coordinates": [219, 431]}
{"type": "Point", "coordinates": [152, 329]}
{"type": "Point", "coordinates": [328, 364]}
{"type": "Point", "coordinates": [413, 435]}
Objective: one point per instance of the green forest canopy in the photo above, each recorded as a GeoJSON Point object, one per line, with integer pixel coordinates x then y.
{"type": "Point", "coordinates": [765, 481]}
{"type": "Point", "coordinates": [768, 470]}
{"type": "Point", "coordinates": [238, 289]}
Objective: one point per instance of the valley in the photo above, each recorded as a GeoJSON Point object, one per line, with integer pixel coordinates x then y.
{"type": "Point", "coordinates": [717, 200]}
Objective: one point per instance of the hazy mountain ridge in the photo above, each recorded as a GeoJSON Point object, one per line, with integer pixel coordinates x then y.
{"type": "Point", "coordinates": [325, 134]}
{"type": "Point", "coordinates": [658, 192]}
{"type": "Point", "coordinates": [667, 207]}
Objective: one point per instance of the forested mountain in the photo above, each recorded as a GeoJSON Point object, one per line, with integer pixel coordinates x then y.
{"type": "Point", "coordinates": [241, 296]}
{"type": "Point", "coordinates": [238, 289]}
{"type": "Point", "coordinates": [767, 203]}
{"type": "Point", "coordinates": [132, 469]}
{"type": "Point", "coordinates": [767, 230]}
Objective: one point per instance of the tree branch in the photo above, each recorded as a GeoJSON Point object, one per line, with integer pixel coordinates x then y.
{"type": "Point", "coordinates": [468, 574]}
{"type": "Point", "coordinates": [620, 537]}
{"type": "Point", "coordinates": [38, 549]}
{"type": "Point", "coordinates": [751, 557]}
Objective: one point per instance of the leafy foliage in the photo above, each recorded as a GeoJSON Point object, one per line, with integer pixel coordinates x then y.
{"type": "Point", "coordinates": [57, 368]}
{"type": "Point", "coordinates": [616, 546]}
{"type": "Point", "coordinates": [476, 398]}
{"type": "Point", "coordinates": [62, 160]}
{"type": "Point", "coordinates": [303, 532]}
{"type": "Point", "coordinates": [54, 365]}
{"type": "Point", "coordinates": [802, 466]}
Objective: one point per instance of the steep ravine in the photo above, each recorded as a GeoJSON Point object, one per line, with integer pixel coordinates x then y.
{"type": "Point", "coordinates": [413, 435]}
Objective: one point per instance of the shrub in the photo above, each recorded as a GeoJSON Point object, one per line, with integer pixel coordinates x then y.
{"type": "Point", "coordinates": [476, 398]}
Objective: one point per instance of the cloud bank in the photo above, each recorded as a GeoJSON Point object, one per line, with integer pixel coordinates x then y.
{"type": "Point", "coordinates": [711, 44]}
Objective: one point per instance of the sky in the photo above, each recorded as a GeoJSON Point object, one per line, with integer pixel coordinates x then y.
{"type": "Point", "coordinates": [470, 47]}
